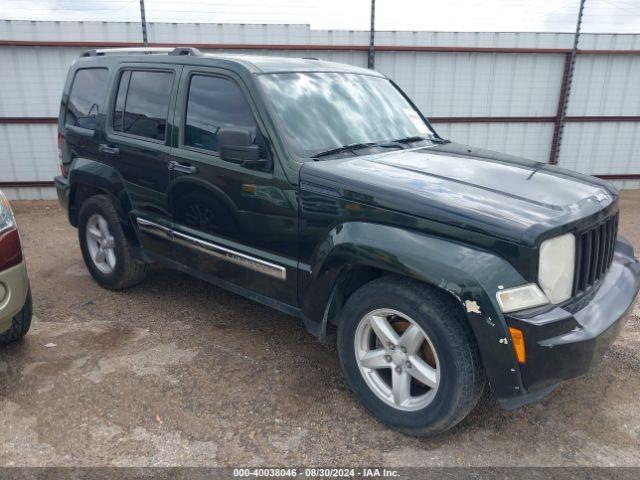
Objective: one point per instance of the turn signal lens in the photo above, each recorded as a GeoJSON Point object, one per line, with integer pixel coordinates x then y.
{"type": "Point", "coordinates": [518, 344]}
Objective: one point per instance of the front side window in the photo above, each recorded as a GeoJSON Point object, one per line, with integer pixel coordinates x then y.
{"type": "Point", "coordinates": [87, 97]}
{"type": "Point", "coordinates": [322, 111]}
{"type": "Point", "coordinates": [212, 103]}
{"type": "Point", "coordinates": [142, 103]}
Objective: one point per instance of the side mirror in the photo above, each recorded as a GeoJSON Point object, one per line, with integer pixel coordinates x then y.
{"type": "Point", "coordinates": [236, 145]}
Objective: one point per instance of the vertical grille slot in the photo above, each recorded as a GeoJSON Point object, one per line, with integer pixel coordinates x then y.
{"type": "Point", "coordinates": [595, 256]}
{"type": "Point", "coordinates": [594, 253]}
{"type": "Point", "coordinates": [587, 240]}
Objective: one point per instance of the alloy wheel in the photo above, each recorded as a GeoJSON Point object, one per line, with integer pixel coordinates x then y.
{"type": "Point", "coordinates": [397, 359]}
{"type": "Point", "coordinates": [100, 243]}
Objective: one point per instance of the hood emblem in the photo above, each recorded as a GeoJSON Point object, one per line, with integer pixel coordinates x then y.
{"type": "Point", "coordinates": [601, 197]}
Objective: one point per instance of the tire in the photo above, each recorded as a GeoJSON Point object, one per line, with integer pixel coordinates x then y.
{"type": "Point", "coordinates": [126, 271]}
{"type": "Point", "coordinates": [448, 348]}
{"type": "Point", "coordinates": [20, 324]}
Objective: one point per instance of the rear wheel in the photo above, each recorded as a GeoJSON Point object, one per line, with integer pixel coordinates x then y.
{"type": "Point", "coordinates": [105, 248]}
{"type": "Point", "coordinates": [409, 355]}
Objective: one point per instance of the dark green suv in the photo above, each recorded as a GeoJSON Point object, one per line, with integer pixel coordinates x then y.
{"type": "Point", "coordinates": [319, 189]}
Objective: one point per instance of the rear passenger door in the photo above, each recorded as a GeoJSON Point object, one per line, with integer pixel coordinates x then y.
{"type": "Point", "coordinates": [230, 221]}
{"type": "Point", "coordinates": [137, 144]}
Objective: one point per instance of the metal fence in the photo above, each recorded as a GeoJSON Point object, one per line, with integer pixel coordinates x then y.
{"type": "Point", "coordinates": [493, 90]}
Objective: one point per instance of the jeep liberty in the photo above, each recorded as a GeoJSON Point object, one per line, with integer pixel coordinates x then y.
{"type": "Point", "coordinates": [319, 189]}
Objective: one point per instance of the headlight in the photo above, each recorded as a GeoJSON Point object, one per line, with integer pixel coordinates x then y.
{"type": "Point", "coordinates": [519, 298]}
{"type": "Point", "coordinates": [7, 222]}
{"type": "Point", "coordinates": [556, 267]}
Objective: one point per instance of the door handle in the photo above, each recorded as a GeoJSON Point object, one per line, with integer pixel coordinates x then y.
{"type": "Point", "coordinates": [181, 167]}
{"type": "Point", "coordinates": [103, 148]}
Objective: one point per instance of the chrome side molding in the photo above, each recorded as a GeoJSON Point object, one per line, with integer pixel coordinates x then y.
{"type": "Point", "coordinates": [213, 249]}
{"type": "Point", "coordinates": [154, 228]}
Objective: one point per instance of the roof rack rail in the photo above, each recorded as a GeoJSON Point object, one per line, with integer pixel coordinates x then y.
{"type": "Point", "coordinates": [192, 51]}
{"type": "Point", "coordinates": [122, 51]}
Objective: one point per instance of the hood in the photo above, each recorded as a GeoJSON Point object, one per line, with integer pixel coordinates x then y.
{"type": "Point", "coordinates": [497, 194]}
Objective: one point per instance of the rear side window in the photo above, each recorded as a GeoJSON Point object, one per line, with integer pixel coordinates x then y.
{"type": "Point", "coordinates": [214, 102]}
{"type": "Point", "coordinates": [87, 97]}
{"type": "Point", "coordinates": [142, 103]}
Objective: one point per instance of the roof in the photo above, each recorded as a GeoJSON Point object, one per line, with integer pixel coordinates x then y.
{"type": "Point", "coordinates": [268, 64]}
{"type": "Point", "coordinates": [253, 63]}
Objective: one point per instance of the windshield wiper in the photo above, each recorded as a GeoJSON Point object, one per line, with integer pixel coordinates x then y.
{"type": "Point", "coordinates": [392, 144]}
{"type": "Point", "coordinates": [430, 138]}
{"type": "Point", "coordinates": [409, 140]}
{"type": "Point", "coordinates": [344, 148]}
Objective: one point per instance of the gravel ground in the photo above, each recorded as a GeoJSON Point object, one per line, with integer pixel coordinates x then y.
{"type": "Point", "coordinates": [178, 372]}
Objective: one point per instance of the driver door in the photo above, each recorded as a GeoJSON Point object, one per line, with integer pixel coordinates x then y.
{"type": "Point", "coordinates": [230, 222]}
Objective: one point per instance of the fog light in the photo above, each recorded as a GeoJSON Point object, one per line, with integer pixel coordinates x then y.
{"type": "Point", "coordinates": [518, 344]}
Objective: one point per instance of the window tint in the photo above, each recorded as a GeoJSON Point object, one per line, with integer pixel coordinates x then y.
{"type": "Point", "coordinates": [144, 98]}
{"type": "Point", "coordinates": [87, 97]}
{"type": "Point", "coordinates": [213, 103]}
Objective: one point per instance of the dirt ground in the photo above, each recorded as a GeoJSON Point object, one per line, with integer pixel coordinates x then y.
{"type": "Point", "coordinates": [179, 372]}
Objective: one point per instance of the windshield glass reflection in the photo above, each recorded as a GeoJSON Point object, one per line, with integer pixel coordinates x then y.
{"type": "Point", "coordinates": [323, 111]}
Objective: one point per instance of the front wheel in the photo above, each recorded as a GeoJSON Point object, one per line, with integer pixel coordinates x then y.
{"type": "Point", "coordinates": [409, 355]}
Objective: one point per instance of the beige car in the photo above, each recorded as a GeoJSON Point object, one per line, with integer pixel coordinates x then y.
{"type": "Point", "coordinates": [15, 295]}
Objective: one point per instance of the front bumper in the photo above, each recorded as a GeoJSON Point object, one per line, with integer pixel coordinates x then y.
{"type": "Point", "coordinates": [14, 286]}
{"type": "Point", "coordinates": [566, 341]}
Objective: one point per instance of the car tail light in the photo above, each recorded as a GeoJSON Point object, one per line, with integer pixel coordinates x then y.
{"type": "Point", "coordinates": [10, 251]}
{"type": "Point", "coordinates": [63, 168]}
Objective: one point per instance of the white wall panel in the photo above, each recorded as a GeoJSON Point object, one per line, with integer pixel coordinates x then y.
{"type": "Point", "coordinates": [32, 79]}
{"type": "Point", "coordinates": [441, 84]}
{"type": "Point", "coordinates": [296, 34]}
{"type": "Point", "coordinates": [528, 140]}
{"type": "Point", "coordinates": [605, 85]}
{"type": "Point", "coordinates": [472, 84]}
{"type": "Point", "coordinates": [601, 148]}
{"type": "Point", "coordinates": [29, 152]}
{"type": "Point", "coordinates": [30, 193]}
{"type": "Point", "coordinates": [626, 184]}
{"type": "Point", "coordinates": [609, 41]}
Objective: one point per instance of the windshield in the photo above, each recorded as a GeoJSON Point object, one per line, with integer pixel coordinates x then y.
{"type": "Point", "coordinates": [325, 111]}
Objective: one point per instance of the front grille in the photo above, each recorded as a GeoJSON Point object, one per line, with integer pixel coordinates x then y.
{"type": "Point", "coordinates": [594, 253]}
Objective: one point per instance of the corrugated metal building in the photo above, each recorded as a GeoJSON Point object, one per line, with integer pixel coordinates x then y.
{"type": "Point", "coordinates": [494, 90]}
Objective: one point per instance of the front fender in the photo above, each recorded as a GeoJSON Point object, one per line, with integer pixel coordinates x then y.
{"type": "Point", "coordinates": [470, 275]}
